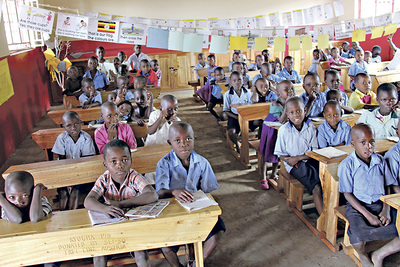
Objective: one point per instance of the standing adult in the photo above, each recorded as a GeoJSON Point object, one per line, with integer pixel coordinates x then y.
{"type": "Point", "coordinates": [135, 58]}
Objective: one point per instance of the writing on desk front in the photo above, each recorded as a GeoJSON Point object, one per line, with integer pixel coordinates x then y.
{"type": "Point", "coordinates": [91, 243]}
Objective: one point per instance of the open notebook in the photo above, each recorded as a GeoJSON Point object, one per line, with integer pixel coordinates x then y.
{"type": "Point", "coordinates": [201, 201]}
{"type": "Point", "coordinates": [330, 152]}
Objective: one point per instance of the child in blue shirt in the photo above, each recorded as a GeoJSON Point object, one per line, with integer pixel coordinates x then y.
{"type": "Point", "coordinates": [238, 66]}
{"type": "Point", "coordinates": [363, 178]}
{"type": "Point", "coordinates": [332, 81]}
{"type": "Point", "coordinates": [288, 72]}
{"type": "Point", "coordinates": [266, 73]}
{"type": "Point", "coordinates": [122, 90]}
{"type": "Point", "coordinates": [211, 66]}
{"type": "Point", "coordinates": [346, 50]}
{"type": "Point", "coordinates": [90, 97]}
{"type": "Point", "coordinates": [336, 95]}
{"type": "Point", "coordinates": [99, 78]}
{"type": "Point", "coordinates": [333, 131]}
{"type": "Point", "coordinates": [312, 97]}
{"type": "Point", "coordinates": [216, 95]}
{"type": "Point", "coordinates": [354, 46]}
{"type": "Point", "coordinates": [235, 58]}
{"type": "Point", "coordinates": [295, 138]}
{"type": "Point", "coordinates": [392, 158]}
{"type": "Point", "coordinates": [376, 51]}
{"type": "Point", "coordinates": [261, 91]}
{"type": "Point", "coordinates": [201, 64]}
{"type": "Point", "coordinates": [257, 64]}
{"type": "Point", "coordinates": [358, 66]}
{"type": "Point", "coordinates": [181, 173]}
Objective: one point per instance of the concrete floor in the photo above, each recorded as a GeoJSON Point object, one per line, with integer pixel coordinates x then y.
{"type": "Point", "coordinates": [261, 229]}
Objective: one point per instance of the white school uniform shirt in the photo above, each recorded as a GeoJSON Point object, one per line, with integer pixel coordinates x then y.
{"type": "Point", "coordinates": [66, 146]}
{"type": "Point", "coordinates": [292, 142]}
{"type": "Point", "coordinates": [230, 97]}
{"type": "Point", "coordinates": [313, 67]}
{"type": "Point", "coordinates": [97, 98]}
{"type": "Point", "coordinates": [162, 134]}
{"type": "Point", "coordinates": [135, 60]}
{"type": "Point", "coordinates": [126, 62]}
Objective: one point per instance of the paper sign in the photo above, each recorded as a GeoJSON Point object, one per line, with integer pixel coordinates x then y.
{"type": "Point", "coordinates": [294, 43]}
{"type": "Point", "coordinates": [157, 38]}
{"type": "Point", "coordinates": [91, 14]}
{"type": "Point", "coordinates": [390, 29]}
{"type": "Point", "coordinates": [219, 44]}
{"type": "Point", "coordinates": [103, 16]}
{"type": "Point", "coordinates": [103, 31]}
{"type": "Point", "coordinates": [245, 23]}
{"type": "Point", "coordinates": [261, 22]}
{"type": "Point", "coordinates": [188, 23]}
{"type": "Point", "coordinates": [340, 32]}
{"type": "Point", "coordinates": [116, 17]}
{"type": "Point", "coordinates": [328, 11]}
{"type": "Point", "coordinates": [323, 41]}
{"type": "Point", "coordinates": [306, 42]}
{"type": "Point", "coordinates": [279, 44]}
{"type": "Point", "coordinates": [377, 32]}
{"type": "Point", "coordinates": [396, 17]}
{"type": "Point", "coordinates": [273, 32]}
{"type": "Point", "coordinates": [349, 25]}
{"type": "Point", "coordinates": [192, 42]}
{"type": "Point", "coordinates": [297, 17]}
{"type": "Point", "coordinates": [383, 20]}
{"type": "Point", "coordinates": [132, 33]}
{"type": "Point", "coordinates": [287, 18]}
{"type": "Point", "coordinates": [174, 23]}
{"type": "Point", "coordinates": [159, 22]}
{"type": "Point", "coordinates": [238, 43]}
{"type": "Point", "coordinates": [308, 16]}
{"type": "Point", "coordinates": [317, 11]}
{"type": "Point", "coordinates": [72, 26]}
{"type": "Point", "coordinates": [145, 21]}
{"type": "Point", "coordinates": [175, 41]}
{"type": "Point", "coordinates": [261, 43]}
{"type": "Point", "coordinates": [365, 23]}
{"type": "Point", "coordinates": [324, 29]}
{"type": "Point", "coordinates": [358, 35]}
{"type": "Point", "coordinates": [36, 19]}
{"type": "Point", "coordinates": [274, 19]}
{"type": "Point", "coordinates": [298, 31]}
{"type": "Point", "coordinates": [201, 23]}
{"type": "Point", "coordinates": [6, 86]}
{"type": "Point", "coordinates": [250, 35]}
{"type": "Point", "coordinates": [338, 6]}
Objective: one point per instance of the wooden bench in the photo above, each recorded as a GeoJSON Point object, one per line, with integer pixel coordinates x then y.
{"type": "Point", "coordinates": [254, 144]}
{"type": "Point", "coordinates": [378, 78]}
{"type": "Point", "coordinates": [85, 115]}
{"type": "Point", "coordinates": [46, 138]}
{"type": "Point", "coordinates": [69, 235]}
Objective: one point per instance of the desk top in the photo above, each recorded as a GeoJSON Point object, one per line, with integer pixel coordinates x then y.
{"type": "Point", "coordinates": [84, 114]}
{"type": "Point", "coordinates": [392, 200]}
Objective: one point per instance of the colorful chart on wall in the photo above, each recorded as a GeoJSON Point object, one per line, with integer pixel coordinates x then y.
{"type": "Point", "coordinates": [130, 33]}
{"type": "Point", "coordinates": [72, 25]}
{"type": "Point", "coordinates": [6, 86]}
{"type": "Point", "coordinates": [36, 19]}
{"type": "Point", "coordinates": [103, 31]}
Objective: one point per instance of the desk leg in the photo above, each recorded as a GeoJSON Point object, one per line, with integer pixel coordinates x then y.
{"type": "Point", "coordinates": [198, 254]}
{"type": "Point", "coordinates": [345, 79]}
{"type": "Point", "coordinates": [397, 221]}
{"type": "Point", "coordinates": [244, 149]}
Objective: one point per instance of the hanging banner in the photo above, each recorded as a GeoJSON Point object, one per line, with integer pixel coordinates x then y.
{"type": "Point", "coordinates": [298, 31]}
{"type": "Point", "coordinates": [132, 33]}
{"type": "Point", "coordinates": [36, 19]}
{"type": "Point", "coordinates": [72, 26]}
{"type": "Point", "coordinates": [103, 31]}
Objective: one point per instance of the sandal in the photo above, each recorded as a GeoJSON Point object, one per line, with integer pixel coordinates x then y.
{"type": "Point", "coordinates": [264, 184]}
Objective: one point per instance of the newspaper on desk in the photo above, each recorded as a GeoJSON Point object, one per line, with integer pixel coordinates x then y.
{"type": "Point", "coordinates": [98, 218]}
{"type": "Point", "coordinates": [151, 210]}
{"type": "Point", "coordinates": [323, 119]}
{"type": "Point", "coordinates": [201, 201]}
{"type": "Point", "coordinates": [330, 152]}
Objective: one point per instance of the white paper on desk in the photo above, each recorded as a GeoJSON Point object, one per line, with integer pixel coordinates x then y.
{"type": "Point", "coordinates": [393, 138]}
{"type": "Point", "coordinates": [347, 116]}
{"type": "Point", "coordinates": [95, 125]}
{"type": "Point", "coordinates": [98, 218]}
{"type": "Point", "coordinates": [330, 152]}
{"type": "Point", "coordinates": [317, 119]}
{"type": "Point", "coordinates": [201, 201]}
{"type": "Point", "coordinates": [273, 123]}
{"type": "Point", "coordinates": [360, 111]}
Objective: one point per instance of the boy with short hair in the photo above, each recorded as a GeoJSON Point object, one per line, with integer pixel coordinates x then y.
{"type": "Point", "coordinates": [135, 58]}
{"type": "Point", "coordinates": [346, 50]}
{"type": "Point", "coordinates": [336, 95]}
{"type": "Point", "coordinates": [23, 201]}
{"type": "Point", "coordinates": [332, 81]}
{"type": "Point", "coordinates": [262, 92]}
{"type": "Point", "coordinates": [235, 58]}
{"type": "Point", "coordinates": [318, 55]}
{"type": "Point", "coordinates": [295, 138]}
{"type": "Point", "coordinates": [73, 83]}
{"type": "Point", "coordinates": [160, 120]}
{"type": "Point", "coordinates": [99, 78]}
{"type": "Point", "coordinates": [266, 73]}
{"type": "Point", "coordinates": [211, 66]}
{"type": "Point", "coordinates": [354, 46]}
{"type": "Point", "coordinates": [368, 57]}
{"type": "Point", "coordinates": [155, 67]}
{"type": "Point", "coordinates": [72, 144]}
{"type": "Point", "coordinates": [100, 52]}
{"type": "Point", "coordinates": [376, 51]}
{"type": "Point", "coordinates": [139, 82]}
{"type": "Point", "coordinates": [141, 109]}
{"type": "Point", "coordinates": [312, 97]}
{"type": "Point", "coordinates": [90, 97]}
{"type": "Point", "coordinates": [363, 178]}
{"type": "Point", "coordinates": [362, 97]}
{"type": "Point", "coordinates": [122, 188]}
{"type": "Point", "coordinates": [122, 90]}
{"type": "Point", "coordinates": [238, 66]}
{"type": "Point", "coordinates": [122, 58]}
{"type": "Point", "coordinates": [181, 173]}
{"type": "Point", "coordinates": [201, 64]}
{"type": "Point", "coordinates": [147, 72]}
{"type": "Point", "coordinates": [256, 65]}
{"type": "Point", "coordinates": [358, 66]}
{"type": "Point", "coordinates": [288, 72]}
{"type": "Point", "coordinates": [112, 129]}
{"type": "Point", "coordinates": [385, 118]}
{"type": "Point", "coordinates": [216, 96]}
{"type": "Point", "coordinates": [333, 131]}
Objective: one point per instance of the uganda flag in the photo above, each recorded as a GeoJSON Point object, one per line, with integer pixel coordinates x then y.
{"type": "Point", "coordinates": [106, 26]}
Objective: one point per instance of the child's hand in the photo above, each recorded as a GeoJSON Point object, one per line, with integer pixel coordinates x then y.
{"type": "Point", "coordinates": [313, 95]}
{"type": "Point", "coordinates": [40, 186]}
{"type": "Point", "coordinates": [140, 122]}
{"type": "Point", "coordinates": [183, 195]}
{"type": "Point", "coordinates": [112, 131]}
{"type": "Point", "coordinates": [113, 211]}
{"type": "Point", "coordinates": [86, 106]}
{"type": "Point", "coordinates": [292, 161]}
{"type": "Point", "coordinates": [149, 96]}
{"type": "Point", "coordinates": [384, 215]}
{"type": "Point", "coordinates": [374, 220]}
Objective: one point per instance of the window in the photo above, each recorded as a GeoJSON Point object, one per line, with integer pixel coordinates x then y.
{"type": "Point", "coordinates": [18, 39]}
{"type": "Point", "coordinates": [373, 8]}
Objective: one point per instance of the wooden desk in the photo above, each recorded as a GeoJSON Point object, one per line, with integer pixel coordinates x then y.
{"type": "Point", "coordinates": [248, 113]}
{"type": "Point", "coordinates": [85, 115]}
{"type": "Point", "coordinates": [321, 68]}
{"type": "Point", "coordinates": [69, 235]}
{"type": "Point", "coordinates": [46, 138]}
{"type": "Point", "coordinates": [393, 200]}
{"type": "Point", "coordinates": [67, 172]}
{"type": "Point", "coordinates": [344, 76]}
{"type": "Point", "coordinates": [202, 75]}
{"type": "Point", "coordinates": [378, 78]}
{"type": "Point", "coordinates": [327, 222]}
{"type": "Point", "coordinates": [376, 67]}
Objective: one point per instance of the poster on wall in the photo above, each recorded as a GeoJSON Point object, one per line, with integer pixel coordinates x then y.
{"type": "Point", "coordinates": [36, 19]}
{"type": "Point", "coordinates": [251, 35]}
{"type": "Point", "coordinates": [298, 31]}
{"type": "Point", "coordinates": [364, 24]}
{"type": "Point", "coordinates": [103, 31]}
{"type": "Point", "coordinates": [6, 86]}
{"type": "Point", "coordinates": [324, 30]}
{"type": "Point", "coordinates": [130, 33]}
{"type": "Point", "coordinates": [342, 31]}
{"type": "Point", "coordinates": [72, 26]}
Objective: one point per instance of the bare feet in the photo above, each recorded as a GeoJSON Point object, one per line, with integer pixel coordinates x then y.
{"type": "Point", "coordinates": [376, 260]}
{"type": "Point", "coordinates": [365, 261]}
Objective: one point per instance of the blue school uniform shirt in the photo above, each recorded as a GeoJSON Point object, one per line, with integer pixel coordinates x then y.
{"type": "Point", "coordinates": [199, 66]}
{"type": "Point", "coordinates": [294, 76]}
{"type": "Point", "coordinates": [376, 59]}
{"type": "Point", "coordinates": [317, 107]}
{"type": "Point", "coordinates": [392, 158]}
{"type": "Point", "coordinates": [367, 183]}
{"type": "Point", "coordinates": [230, 97]}
{"type": "Point", "coordinates": [230, 66]}
{"type": "Point", "coordinates": [272, 77]}
{"type": "Point", "coordinates": [216, 90]}
{"type": "Point", "coordinates": [100, 79]}
{"type": "Point", "coordinates": [170, 174]}
{"type": "Point", "coordinates": [328, 137]}
{"type": "Point", "coordinates": [253, 66]}
{"type": "Point", "coordinates": [352, 51]}
{"type": "Point", "coordinates": [345, 54]}
{"type": "Point", "coordinates": [345, 98]}
{"type": "Point", "coordinates": [270, 97]}
{"type": "Point", "coordinates": [66, 146]}
{"type": "Point", "coordinates": [382, 129]}
{"type": "Point", "coordinates": [129, 95]}
{"type": "Point", "coordinates": [292, 142]}
{"type": "Point", "coordinates": [97, 98]}
{"type": "Point", "coordinates": [356, 68]}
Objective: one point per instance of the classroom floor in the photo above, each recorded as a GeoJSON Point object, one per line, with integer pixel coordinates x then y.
{"type": "Point", "coordinates": [261, 229]}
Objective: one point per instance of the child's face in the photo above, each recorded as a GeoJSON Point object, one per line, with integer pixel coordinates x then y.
{"type": "Point", "coordinates": [124, 110]}
{"type": "Point", "coordinates": [262, 87]}
{"type": "Point", "coordinates": [278, 67]}
{"type": "Point", "coordinates": [386, 101]}
{"type": "Point", "coordinates": [265, 71]}
{"type": "Point", "coordinates": [19, 195]}
{"type": "Point", "coordinates": [100, 53]}
{"type": "Point", "coordinates": [311, 84]}
{"type": "Point", "coordinates": [73, 73]}
{"type": "Point", "coordinates": [376, 52]}
{"type": "Point", "coordinates": [288, 64]}
{"type": "Point", "coordinates": [338, 98]}
{"type": "Point", "coordinates": [92, 63]}
{"type": "Point", "coordinates": [88, 88]}
{"type": "Point", "coordinates": [236, 82]}
{"type": "Point", "coordinates": [138, 49]}
{"type": "Point", "coordinates": [359, 55]}
{"type": "Point", "coordinates": [73, 126]}
{"type": "Point", "coordinates": [346, 47]}
{"type": "Point", "coordinates": [144, 67]}
{"type": "Point", "coordinates": [238, 68]}
{"type": "Point", "coordinates": [285, 91]}
{"type": "Point", "coordinates": [154, 65]}
{"type": "Point", "coordinates": [109, 115]}
{"type": "Point", "coordinates": [363, 142]}
{"type": "Point", "coordinates": [267, 56]}
{"type": "Point", "coordinates": [111, 97]}
{"type": "Point", "coordinates": [316, 55]}
{"type": "Point", "coordinates": [118, 162]}
{"type": "Point", "coordinates": [332, 115]}
{"type": "Point", "coordinates": [236, 57]}
{"type": "Point", "coordinates": [335, 53]}
{"type": "Point", "coordinates": [368, 57]}
{"type": "Point", "coordinates": [219, 75]}
{"type": "Point", "coordinates": [211, 61]}
{"type": "Point", "coordinates": [333, 81]}
{"type": "Point", "coordinates": [182, 142]}
{"type": "Point", "coordinates": [363, 84]}
{"type": "Point", "coordinates": [140, 98]}
{"type": "Point", "coordinates": [202, 59]}
{"type": "Point", "coordinates": [122, 83]}
{"type": "Point", "coordinates": [137, 84]}
{"type": "Point", "coordinates": [259, 60]}
{"type": "Point", "coordinates": [121, 56]}
{"type": "Point", "coordinates": [295, 113]}
{"type": "Point", "coordinates": [354, 45]}
{"type": "Point", "coordinates": [116, 62]}
{"type": "Point", "coordinates": [170, 107]}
